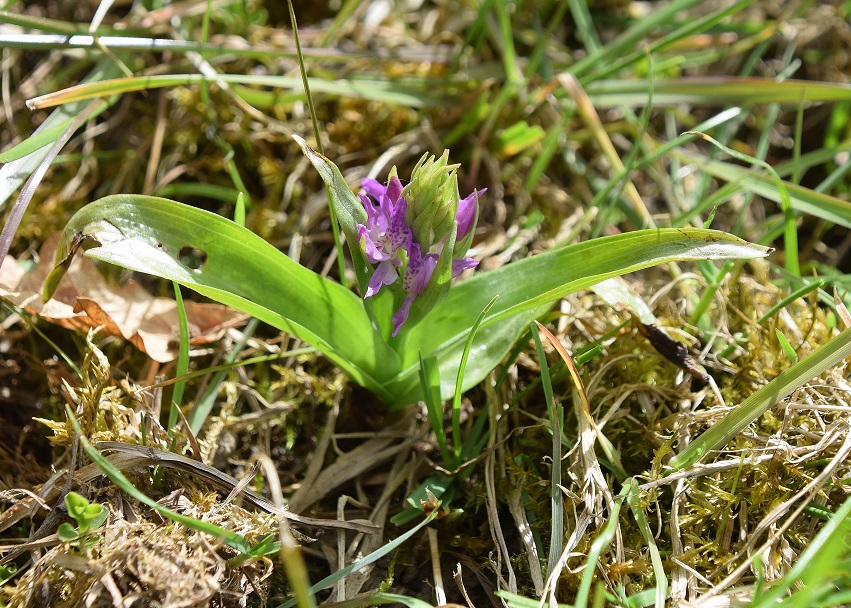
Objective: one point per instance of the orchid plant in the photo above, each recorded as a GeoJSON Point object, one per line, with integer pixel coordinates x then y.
{"type": "Point", "coordinates": [407, 244]}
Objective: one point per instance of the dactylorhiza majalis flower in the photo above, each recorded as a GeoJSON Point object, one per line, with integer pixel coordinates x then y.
{"type": "Point", "coordinates": [387, 241]}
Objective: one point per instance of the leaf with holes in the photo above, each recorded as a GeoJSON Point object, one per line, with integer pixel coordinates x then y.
{"type": "Point", "coordinates": [228, 263]}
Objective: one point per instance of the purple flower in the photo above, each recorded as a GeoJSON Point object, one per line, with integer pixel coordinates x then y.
{"type": "Point", "coordinates": [416, 278]}
{"type": "Point", "coordinates": [466, 214]}
{"type": "Point", "coordinates": [385, 234]}
{"type": "Point", "coordinates": [388, 241]}
{"type": "Point", "coordinates": [459, 265]}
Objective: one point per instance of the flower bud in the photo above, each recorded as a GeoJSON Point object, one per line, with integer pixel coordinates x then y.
{"type": "Point", "coordinates": [432, 199]}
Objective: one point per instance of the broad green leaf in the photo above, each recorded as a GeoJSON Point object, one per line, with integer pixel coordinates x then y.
{"type": "Point", "coordinates": [529, 287]}
{"type": "Point", "coordinates": [76, 505]}
{"type": "Point", "coordinates": [235, 267]}
{"type": "Point", "coordinates": [618, 294]}
{"type": "Point", "coordinates": [67, 533]}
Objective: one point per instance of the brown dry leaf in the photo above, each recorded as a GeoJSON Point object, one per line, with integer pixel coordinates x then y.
{"type": "Point", "coordinates": [85, 300]}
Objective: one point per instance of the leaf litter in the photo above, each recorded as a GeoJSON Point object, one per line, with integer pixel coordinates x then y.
{"type": "Point", "coordinates": [85, 300]}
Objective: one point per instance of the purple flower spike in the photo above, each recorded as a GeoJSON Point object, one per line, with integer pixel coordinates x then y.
{"type": "Point", "coordinates": [466, 214]}
{"type": "Point", "coordinates": [388, 241]}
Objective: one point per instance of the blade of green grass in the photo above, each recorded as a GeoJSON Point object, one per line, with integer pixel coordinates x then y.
{"type": "Point", "coordinates": [556, 415]}
{"type": "Point", "coordinates": [689, 27]}
{"type": "Point", "coordinates": [714, 90]}
{"type": "Point", "coordinates": [367, 560]}
{"type": "Point", "coordinates": [457, 443]}
{"type": "Point", "coordinates": [829, 355]}
{"type": "Point", "coordinates": [232, 539]}
{"type": "Point", "coordinates": [603, 541]}
{"type": "Point", "coordinates": [628, 40]}
{"type": "Point", "coordinates": [32, 183]}
{"type": "Point", "coordinates": [430, 379]}
{"type": "Point", "coordinates": [45, 24]}
{"type": "Point", "coordinates": [801, 199]}
{"type": "Point", "coordinates": [332, 212]}
{"type": "Point", "coordinates": [182, 367]}
{"type": "Point", "coordinates": [633, 499]}
{"type": "Point", "coordinates": [14, 173]}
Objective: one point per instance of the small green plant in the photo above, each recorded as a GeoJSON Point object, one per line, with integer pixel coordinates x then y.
{"type": "Point", "coordinates": [7, 571]}
{"type": "Point", "coordinates": [406, 245]}
{"type": "Point", "coordinates": [89, 517]}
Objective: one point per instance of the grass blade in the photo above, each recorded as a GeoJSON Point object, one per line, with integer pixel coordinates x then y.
{"type": "Point", "coordinates": [802, 199]}
{"type": "Point", "coordinates": [232, 539]}
{"type": "Point", "coordinates": [829, 355]}
{"type": "Point", "coordinates": [367, 560]}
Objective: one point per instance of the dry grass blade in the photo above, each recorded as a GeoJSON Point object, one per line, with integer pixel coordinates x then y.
{"type": "Point", "coordinates": [362, 458]}
{"type": "Point", "coordinates": [492, 502]}
{"type": "Point", "coordinates": [592, 119]}
{"type": "Point", "coordinates": [595, 489]}
{"type": "Point", "coordinates": [290, 549]}
{"type": "Point", "coordinates": [521, 521]}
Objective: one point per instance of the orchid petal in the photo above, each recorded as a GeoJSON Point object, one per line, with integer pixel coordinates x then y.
{"type": "Point", "coordinates": [401, 315]}
{"type": "Point", "coordinates": [459, 265]}
{"type": "Point", "coordinates": [385, 274]}
{"type": "Point", "coordinates": [466, 214]}
{"type": "Point", "coordinates": [394, 189]}
{"type": "Point", "coordinates": [373, 188]}
{"type": "Point", "coordinates": [419, 270]}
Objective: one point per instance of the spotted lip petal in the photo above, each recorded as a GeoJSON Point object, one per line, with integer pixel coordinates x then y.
{"type": "Point", "coordinates": [419, 271]}
{"type": "Point", "coordinates": [385, 234]}
{"type": "Point", "coordinates": [417, 275]}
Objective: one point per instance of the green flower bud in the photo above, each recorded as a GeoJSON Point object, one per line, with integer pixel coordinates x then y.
{"type": "Point", "coordinates": [432, 198]}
